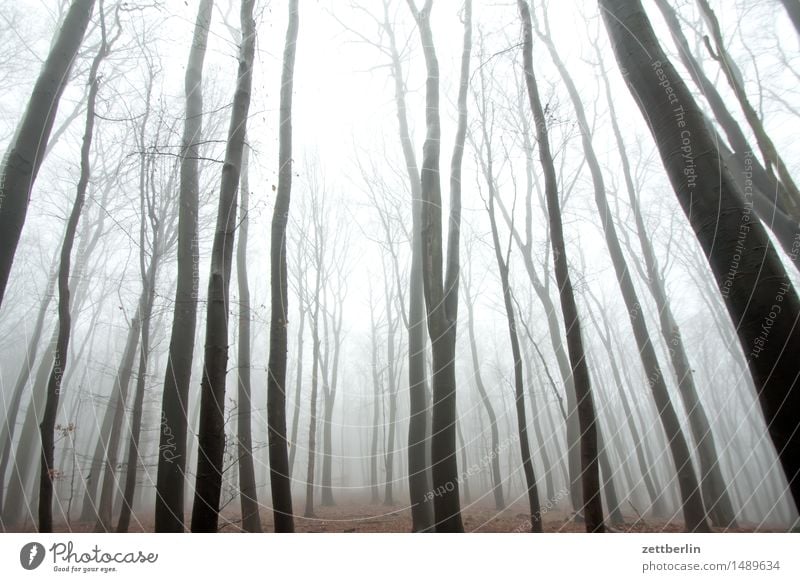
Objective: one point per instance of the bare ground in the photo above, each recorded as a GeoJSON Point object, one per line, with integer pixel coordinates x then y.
{"type": "Point", "coordinates": [360, 518]}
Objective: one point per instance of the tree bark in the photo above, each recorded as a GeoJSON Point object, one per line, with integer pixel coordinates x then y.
{"type": "Point", "coordinates": [251, 520]}
{"type": "Point", "coordinates": [280, 479]}
{"type": "Point", "coordinates": [171, 479]}
{"type": "Point", "coordinates": [440, 289]}
{"type": "Point", "coordinates": [211, 434]}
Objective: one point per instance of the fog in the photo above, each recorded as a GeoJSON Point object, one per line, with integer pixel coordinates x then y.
{"type": "Point", "coordinates": [350, 276]}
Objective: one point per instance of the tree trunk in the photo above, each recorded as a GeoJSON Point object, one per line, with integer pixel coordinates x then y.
{"type": "Point", "coordinates": [419, 471]}
{"type": "Point", "coordinates": [440, 289]}
{"type": "Point", "coordinates": [134, 453]}
{"type": "Point", "coordinates": [211, 434]}
{"type": "Point", "coordinates": [251, 521]}
{"type": "Point", "coordinates": [280, 479]}
{"type": "Point", "coordinates": [12, 409]}
{"type": "Point", "coordinates": [758, 295]}
{"type": "Point", "coordinates": [497, 481]}
{"type": "Point", "coordinates": [172, 452]}
{"type": "Point", "coordinates": [590, 478]}
{"type": "Point", "coordinates": [24, 157]}
{"type": "Point", "coordinates": [301, 308]}
{"type": "Point", "coordinates": [775, 166]}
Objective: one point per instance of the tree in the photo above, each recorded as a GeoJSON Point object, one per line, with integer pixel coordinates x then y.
{"type": "Point", "coordinates": [440, 287]}
{"type": "Point", "coordinates": [205, 511]}
{"type": "Point", "coordinates": [746, 267]}
{"type": "Point", "coordinates": [47, 426]}
{"type": "Point", "coordinates": [251, 521]}
{"type": "Point", "coordinates": [170, 480]}
{"type": "Point", "coordinates": [590, 479]}
{"type": "Point", "coordinates": [280, 479]}
{"type": "Point", "coordinates": [24, 157]}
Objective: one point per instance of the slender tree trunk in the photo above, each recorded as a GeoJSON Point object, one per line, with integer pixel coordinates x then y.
{"type": "Point", "coordinates": [592, 502]}
{"type": "Point", "coordinates": [134, 453]}
{"type": "Point", "coordinates": [251, 521]}
{"type": "Point", "coordinates": [497, 481]}
{"type": "Point", "coordinates": [377, 405]}
{"type": "Point", "coordinates": [775, 166]}
{"type": "Point", "coordinates": [25, 154]}
{"type": "Point", "coordinates": [487, 165]}
{"type": "Point", "coordinates": [793, 10]}
{"type": "Point", "coordinates": [301, 308]}
{"type": "Point", "coordinates": [759, 296]}
{"type": "Point", "coordinates": [172, 451]}
{"type": "Point", "coordinates": [312, 425]}
{"type": "Point", "coordinates": [419, 471]}
{"type": "Point", "coordinates": [12, 409]}
{"type": "Point", "coordinates": [211, 437]}
{"type": "Point", "coordinates": [441, 288]}
{"type": "Point", "coordinates": [280, 479]}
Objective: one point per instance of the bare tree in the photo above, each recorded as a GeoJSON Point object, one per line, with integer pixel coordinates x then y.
{"type": "Point", "coordinates": [280, 479]}
{"type": "Point", "coordinates": [205, 511]}
{"type": "Point", "coordinates": [170, 481]}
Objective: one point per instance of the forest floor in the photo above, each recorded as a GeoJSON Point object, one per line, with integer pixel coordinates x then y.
{"type": "Point", "coordinates": [361, 518]}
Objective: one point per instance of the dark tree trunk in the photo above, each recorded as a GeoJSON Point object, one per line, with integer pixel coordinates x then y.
{"type": "Point", "coordinates": [301, 308]}
{"type": "Point", "coordinates": [280, 479]}
{"type": "Point", "coordinates": [793, 10]}
{"type": "Point", "coordinates": [440, 288]}
{"type": "Point", "coordinates": [251, 520]}
{"type": "Point", "coordinates": [211, 434]}
{"type": "Point", "coordinates": [25, 154]}
{"type": "Point", "coordinates": [171, 479]}
{"type": "Point", "coordinates": [419, 472]}
{"type": "Point", "coordinates": [730, 239]}
{"type": "Point", "coordinates": [590, 478]}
